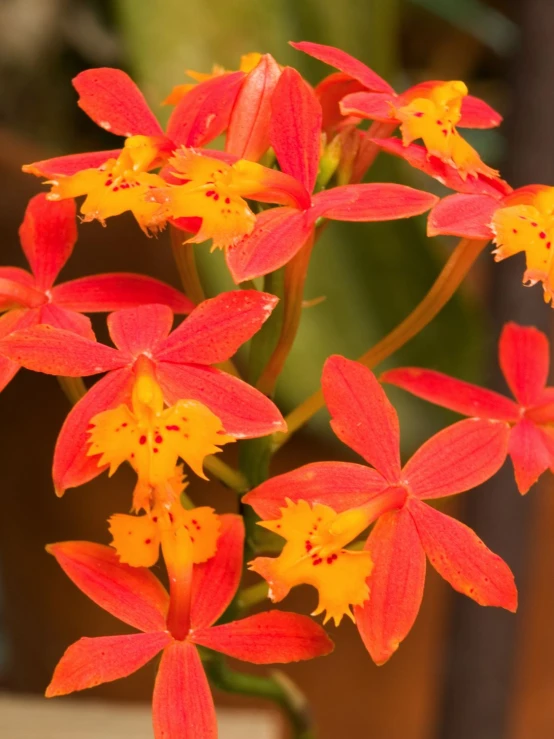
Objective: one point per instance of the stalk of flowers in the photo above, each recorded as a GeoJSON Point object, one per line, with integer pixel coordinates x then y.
{"type": "Point", "coordinates": [163, 407]}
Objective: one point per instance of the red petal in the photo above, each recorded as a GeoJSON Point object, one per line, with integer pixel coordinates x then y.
{"type": "Point", "coordinates": [215, 582]}
{"type": "Point", "coordinates": [48, 234]}
{"type": "Point", "coordinates": [183, 707]}
{"type": "Point", "coordinates": [248, 134]}
{"type": "Point", "coordinates": [267, 638]}
{"type": "Point", "coordinates": [330, 91]}
{"type": "Point", "coordinates": [458, 555]}
{"type": "Point", "coordinates": [468, 216]}
{"type": "Point", "coordinates": [374, 201]}
{"type": "Point", "coordinates": [376, 106]}
{"type": "Point", "coordinates": [114, 102]}
{"type": "Point", "coordinates": [396, 585]}
{"type": "Point", "coordinates": [140, 329]}
{"type": "Point", "coordinates": [131, 594]}
{"type": "Point", "coordinates": [477, 113]}
{"type": "Point", "coordinates": [71, 466]}
{"type": "Point", "coordinates": [345, 63]}
{"type": "Point", "coordinates": [56, 351]}
{"type": "Point", "coordinates": [532, 451]}
{"type": "Point", "coordinates": [362, 415]}
{"type": "Point", "coordinates": [9, 322]}
{"type": "Point", "coordinates": [462, 397]}
{"type": "Point", "coordinates": [340, 485]}
{"type": "Point", "coordinates": [216, 328]}
{"type": "Point", "coordinates": [524, 358]}
{"type": "Point", "coordinates": [67, 320]}
{"type": "Point", "coordinates": [295, 129]}
{"type": "Point", "coordinates": [278, 235]}
{"type": "Point", "coordinates": [244, 411]}
{"type": "Point", "coordinates": [70, 164]}
{"type": "Point", "coordinates": [19, 292]}
{"type": "Point", "coordinates": [417, 156]}
{"type": "Point", "coordinates": [91, 662]}
{"type": "Point", "coordinates": [115, 291]}
{"type": "Point", "coordinates": [458, 458]}
{"type": "Point", "coordinates": [205, 111]}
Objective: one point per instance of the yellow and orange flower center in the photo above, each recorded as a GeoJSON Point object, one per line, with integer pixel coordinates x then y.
{"type": "Point", "coordinates": [433, 117]}
{"type": "Point", "coordinates": [213, 191]}
{"type": "Point", "coordinates": [119, 184]}
{"type": "Point", "coordinates": [152, 438]}
{"type": "Point", "coordinates": [529, 227]}
{"type": "Point", "coordinates": [314, 554]}
{"type": "Point", "coordinates": [137, 539]}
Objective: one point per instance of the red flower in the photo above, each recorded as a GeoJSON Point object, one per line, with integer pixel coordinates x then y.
{"type": "Point", "coordinates": [520, 221]}
{"type": "Point", "coordinates": [48, 234]}
{"type": "Point", "coordinates": [524, 354]}
{"type": "Point", "coordinates": [248, 130]}
{"type": "Point", "coordinates": [430, 111]}
{"type": "Point", "coordinates": [179, 362]}
{"type": "Point", "coordinates": [117, 180]}
{"type": "Point", "coordinates": [175, 625]}
{"type": "Point", "coordinates": [456, 459]}
{"type": "Point", "coordinates": [295, 135]}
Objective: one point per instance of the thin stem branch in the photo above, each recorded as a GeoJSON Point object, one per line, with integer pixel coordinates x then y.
{"type": "Point", "coordinates": [73, 387]}
{"type": "Point", "coordinates": [277, 688]}
{"type": "Point", "coordinates": [253, 595]}
{"type": "Point", "coordinates": [295, 278]}
{"type": "Point", "coordinates": [230, 477]}
{"type": "Point", "coordinates": [186, 266]}
{"type": "Point", "coordinates": [456, 268]}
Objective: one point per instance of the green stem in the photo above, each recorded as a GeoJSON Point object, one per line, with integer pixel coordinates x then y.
{"type": "Point", "coordinates": [253, 595]}
{"type": "Point", "coordinates": [73, 387]}
{"type": "Point", "coordinates": [186, 266]}
{"type": "Point", "coordinates": [277, 688]}
{"type": "Point", "coordinates": [230, 477]}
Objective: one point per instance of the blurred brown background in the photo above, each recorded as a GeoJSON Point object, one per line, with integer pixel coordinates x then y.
{"type": "Point", "coordinates": [464, 672]}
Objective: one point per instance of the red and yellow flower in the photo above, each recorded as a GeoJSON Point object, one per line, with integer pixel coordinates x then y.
{"type": "Point", "coordinates": [431, 111]}
{"type": "Point", "coordinates": [295, 136]}
{"type": "Point", "coordinates": [520, 221]}
{"type": "Point", "coordinates": [174, 366]}
{"type": "Point", "coordinates": [175, 624]}
{"type": "Point", "coordinates": [48, 235]}
{"type": "Point", "coordinates": [247, 134]}
{"type": "Point", "coordinates": [118, 180]}
{"type": "Point", "coordinates": [524, 355]}
{"type": "Point", "coordinates": [348, 497]}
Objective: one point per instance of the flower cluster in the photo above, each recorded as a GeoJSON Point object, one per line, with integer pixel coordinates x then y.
{"type": "Point", "coordinates": [170, 397]}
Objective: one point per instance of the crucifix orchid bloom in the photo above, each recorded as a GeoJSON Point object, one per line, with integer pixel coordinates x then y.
{"type": "Point", "coordinates": [175, 624]}
{"type": "Point", "coordinates": [177, 364]}
{"type": "Point", "coordinates": [118, 180]}
{"type": "Point", "coordinates": [343, 499]}
{"type": "Point", "coordinates": [295, 136]}
{"type": "Point", "coordinates": [431, 111]}
{"type": "Point", "coordinates": [48, 235]}
{"type": "Point", "coordinates": [521, 220]}
{"type": "Point", "coordinates": [524, 355]}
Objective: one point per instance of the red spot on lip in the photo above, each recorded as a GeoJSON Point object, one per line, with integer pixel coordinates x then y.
{"type": "Point", "coordinates": [158, 439]}
{"type": "Point", "coordinates": [155, 450]}
{"type": "Point", "coordinates": [227, 200]}
{"type": "Point", "coordinates": [418, 115]}
{"type": "Point", "coordinates": [172, 428]}
{"type": "Point", "coordinates": [542, 235]}
{"type": "Point", "coordinates": [514, 230]}
{"type": "Point", "coordinates": [317, 561]}
{"type": "Point", "coordinates": [142, 439]}
{"type": "Point", "coordinates": [124, 425]}
{"type": "Point", "coordinates": [309, 546]}
{"type": "Point", "coordinates": [147, 541]}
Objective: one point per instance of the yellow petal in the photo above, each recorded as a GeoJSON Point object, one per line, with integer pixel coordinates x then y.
{"type": "Point", "coordinates": [314, 555]}
{"type": "Point", "coordinates": [136, 539]}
